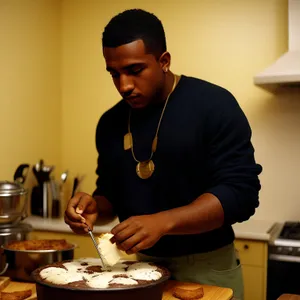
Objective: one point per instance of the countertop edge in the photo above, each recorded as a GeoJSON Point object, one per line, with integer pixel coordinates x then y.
{"type": "Point", "coordinates": [59, 225]}
{"type": "Point", "coordinates": [253, 229]}
{"type": "Point", "coordinates": [252, 236]}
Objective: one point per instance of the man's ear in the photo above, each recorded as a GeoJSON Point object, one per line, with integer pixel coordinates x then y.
{"type": "Point", "coordinates": [165, 61]}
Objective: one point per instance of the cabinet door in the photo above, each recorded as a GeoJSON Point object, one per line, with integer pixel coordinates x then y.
{"type": "Point", "coordinates": [253, 282]}
{"type": "Point", "coordinates": [252, 253]}
{"type": "Point", "coordinates": [253, 256]}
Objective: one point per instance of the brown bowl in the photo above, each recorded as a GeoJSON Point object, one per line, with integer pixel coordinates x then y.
{"type": "Point", "coordinates": [151, 291]}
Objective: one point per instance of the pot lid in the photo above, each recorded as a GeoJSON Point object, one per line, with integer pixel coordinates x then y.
{"type": "Point", "coordinates": [11, 189]}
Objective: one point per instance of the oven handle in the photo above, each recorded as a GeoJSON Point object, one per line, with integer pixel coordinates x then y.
{"type": "Point", "coordinates": [289, 258]}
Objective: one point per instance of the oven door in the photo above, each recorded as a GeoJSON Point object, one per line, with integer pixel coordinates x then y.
{"type": "Point", "coordinates": [283, 276]}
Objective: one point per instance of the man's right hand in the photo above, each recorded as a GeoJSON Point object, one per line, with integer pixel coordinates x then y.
{"type": "Point", "coordinates": [80, 212]}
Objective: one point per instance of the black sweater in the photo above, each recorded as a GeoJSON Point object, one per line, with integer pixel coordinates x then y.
{"type": "Point", "coordinates": [203, 147]}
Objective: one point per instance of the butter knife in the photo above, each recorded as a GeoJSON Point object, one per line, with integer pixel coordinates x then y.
{"type": "Point", "coordinates": [94, 241]}
{"type": "Point", "coordinates": [96, 246]}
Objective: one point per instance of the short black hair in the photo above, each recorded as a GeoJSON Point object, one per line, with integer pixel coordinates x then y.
{"type": "Point", "coordinates": [132, 25]}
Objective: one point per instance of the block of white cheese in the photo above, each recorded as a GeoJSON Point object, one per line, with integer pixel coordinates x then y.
{"type": "Point", "coordinates": [109, 251]}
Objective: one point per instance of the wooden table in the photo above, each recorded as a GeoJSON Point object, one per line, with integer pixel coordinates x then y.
{"type": "Point", "coordinates": [6, 285]}
{"type": "Point", "coordinates": [289, 297]}
{"type": "Point", "coordinates": [210, 292]}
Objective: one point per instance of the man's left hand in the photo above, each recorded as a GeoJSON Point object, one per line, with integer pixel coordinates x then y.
{"type": "Point", "coordinates": [139, 232]}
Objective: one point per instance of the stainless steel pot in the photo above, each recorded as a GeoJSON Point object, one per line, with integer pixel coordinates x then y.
{"type": "Point", "coordinates": [21, 263]}
{"type": "Point", "coordinates": [13, 202]}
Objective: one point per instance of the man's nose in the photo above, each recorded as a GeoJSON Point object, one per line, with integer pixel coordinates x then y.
{"type": "Point", "coordinates": [126, 85]}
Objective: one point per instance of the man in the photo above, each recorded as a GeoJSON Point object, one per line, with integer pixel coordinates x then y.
{"type": "Point", "coordinates": [175, 164]}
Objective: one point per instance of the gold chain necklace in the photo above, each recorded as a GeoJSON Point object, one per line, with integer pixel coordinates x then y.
{"type": "Point", "coordinates": [145, 169]}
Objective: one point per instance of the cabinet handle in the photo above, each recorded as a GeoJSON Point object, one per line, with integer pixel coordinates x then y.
{"type": "Point", "coordinates": [246, 247]}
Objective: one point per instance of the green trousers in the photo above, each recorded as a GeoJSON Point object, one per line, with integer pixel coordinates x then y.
{"type": "Point", "coordinates": [219, 267]}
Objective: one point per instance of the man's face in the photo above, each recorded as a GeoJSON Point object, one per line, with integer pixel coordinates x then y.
{"type": "Point", "coordinates": [138, 76]}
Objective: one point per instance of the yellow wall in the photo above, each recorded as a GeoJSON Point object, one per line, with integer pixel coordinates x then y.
{"type": "Point", "coordinates": [225, 42]}
{"type": "Point", "coordinates": [30, 96]}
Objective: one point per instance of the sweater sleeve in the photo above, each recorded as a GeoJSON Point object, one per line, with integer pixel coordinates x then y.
{"type": "Point", "coordinates": [233, 172]}
{"type": "Point", "coordinates": [103, 182]}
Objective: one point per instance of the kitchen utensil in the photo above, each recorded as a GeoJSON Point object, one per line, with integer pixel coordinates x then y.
{"type": "Point", "coordinates": [96, 246]}
{"type": "Point", "coordinates": [21, 263]}
{"type": "Point", "coordinates": [39, 165]}
{"type": "Point", "coordinates": [40, 198]}
{"type": "Point", "coordinates": [13, 202]}
{"type": "Point", "coordinates": [64, 176]}
{"type": "Point", "coordinates": [75, 185]}
{"type": "Point", "coordinates": [94, 241]}
{"type": "Point", "coordinates": [55, 195]}
{"type": "Point", "coordinates": [152, 291]}
{"type": "Point", "coordinates": [77, 181]}
{"type": "Point", "coordinates": [36, 171]}
{"type": "Point", "coordinates": [47, 200]}
{"type": "Point", "coordinates": [42, 172]}
{"type": "Point", "coordinates": [21, 173]}
{"type": "Point", "coordinates": [37, 201]}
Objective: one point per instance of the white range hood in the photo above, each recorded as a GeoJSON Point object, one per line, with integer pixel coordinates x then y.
{"type": "Point", "coordinates": [287, 68]}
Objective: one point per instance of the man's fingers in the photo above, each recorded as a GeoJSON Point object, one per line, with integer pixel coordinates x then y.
{"type": "Point", "coordinates": [81, 212]}
{"type": "Point", "coordinates": [77, 227]}
{"type": "Point", "coordinates": [84, 201]}
{"type": "Point", "coordinates": [71, 208]}
{"type": "Point", "coordinates": [123, 235]}
{"type": "Point", "coordinates": [120, 227]}
{"type": "Point", "coordinates": [137, 248]}
{"type": "Point", "coordinates": [132, 244]}
{"type": "Point", "coordinates": [77, 205]}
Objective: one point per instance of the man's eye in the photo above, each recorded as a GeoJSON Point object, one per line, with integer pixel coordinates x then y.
{"type": "Point", "coordinates": [136, 71]}
{"type": "Point", "coordinates": [114, 75]}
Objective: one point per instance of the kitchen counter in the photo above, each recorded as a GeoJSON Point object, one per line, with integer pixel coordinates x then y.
{"type": "Point", "coordinates": [251, 229]}
{"type": "Point", "coordinates": [59, 225]}
{"type": "Point", "coordinates": [254, 230]}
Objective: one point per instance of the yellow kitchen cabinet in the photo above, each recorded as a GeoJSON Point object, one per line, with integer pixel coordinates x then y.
{"type": "Point", "coordinates": [253, 256]}
{"type": "Point", "coordinates": [84, 244]}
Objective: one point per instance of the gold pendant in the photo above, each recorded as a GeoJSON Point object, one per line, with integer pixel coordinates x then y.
{"type": "Point", "coordinates": [145, 169]}
{"type": "Point", "coordinates": [127, 141]}
{"type": "Point", "coordinates": [154, 144]}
